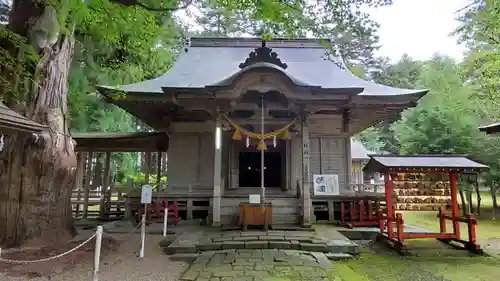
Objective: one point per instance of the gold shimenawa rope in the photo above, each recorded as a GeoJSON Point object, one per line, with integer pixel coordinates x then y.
{"type": "Point", "coordinates": [259, 136]}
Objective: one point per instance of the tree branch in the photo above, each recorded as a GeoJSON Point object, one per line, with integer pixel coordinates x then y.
{"type": "Point", "coordinates": [138, 3]}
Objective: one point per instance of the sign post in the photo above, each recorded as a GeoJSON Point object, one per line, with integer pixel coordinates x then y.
{"type": "Point", "coordinates": [146, 196]}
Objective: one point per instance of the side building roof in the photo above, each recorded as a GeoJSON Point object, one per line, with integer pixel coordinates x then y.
{"type": "Point", "coordinates": [14, 122]}
{"type": "Point", "coordinates": [382, 163]}
{"type": "Point", "coordinates": [491, 128]}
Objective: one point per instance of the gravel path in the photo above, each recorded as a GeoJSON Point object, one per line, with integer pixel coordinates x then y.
{"type": "Point", "coordinates": [123, 265]}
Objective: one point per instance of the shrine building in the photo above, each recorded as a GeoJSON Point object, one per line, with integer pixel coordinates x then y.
{"type": "Point", "coordinates": [219, 94]}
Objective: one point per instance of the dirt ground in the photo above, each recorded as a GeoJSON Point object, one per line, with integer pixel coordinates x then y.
{"type": "Point", "coordinates": [120, 261]}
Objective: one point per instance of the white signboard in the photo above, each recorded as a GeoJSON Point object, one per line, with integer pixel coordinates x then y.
{"type": "Point", "coordinates": [146, 194]}
{"type": "Point", "coordinates": [254, 198]}
{"type": "Point", "coordinates": [326, 184]}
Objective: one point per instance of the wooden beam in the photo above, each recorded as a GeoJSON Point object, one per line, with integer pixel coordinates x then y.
{"type": "Point", "coordinates": [105, 184]}
{"type": "Point", "coordinates": [80, 171]}
{"type": "Point", "coordinates": [88, 177]}
{"type": "Point", "coordinates": [158, 170]}
{"type": "Point", "coordinates": [147, 168]}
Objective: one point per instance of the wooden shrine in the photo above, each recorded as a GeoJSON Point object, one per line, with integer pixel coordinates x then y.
{"type": "Point", "coordinates": [226, 100]}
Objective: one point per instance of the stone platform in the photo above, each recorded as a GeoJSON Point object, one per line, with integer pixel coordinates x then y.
{"type": "Point", "coordinates": [253, 265]}
{"type": "Point", "coordinates": [196, 242]}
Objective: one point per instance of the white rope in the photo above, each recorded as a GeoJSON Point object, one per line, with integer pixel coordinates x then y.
{"type": "Point", "coordinates": [122, 236]}
{"type": "Point", "coordinates": [49, 258]}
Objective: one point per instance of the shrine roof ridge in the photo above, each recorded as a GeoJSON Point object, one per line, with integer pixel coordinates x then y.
{"type": "Point", "coordinates": [256, 42]}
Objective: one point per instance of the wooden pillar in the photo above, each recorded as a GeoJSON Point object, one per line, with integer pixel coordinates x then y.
{"type": "Point", "coordinates": [388, 202]}
{"type": "Point", "coordinates": [454, 204]}
{"type": "Point", "coordinates": [147, 170]}
{"type": "Point", "coordinates": [88, 178]}
{"type": "Point", "coordinates": [306, 176]}
{"type": "Point", "coordinates": [80, 171]}
{"type": "Point", "coordinates": [158, 170]}
{"type": "Point", "coordinates": [105, 184]}
{"type": "Point", "coordinates": [348, 159]}
{"type": "Point", "coordinates": [217, 176]}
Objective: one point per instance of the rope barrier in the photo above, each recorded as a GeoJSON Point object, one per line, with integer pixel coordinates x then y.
{"type": "Point", "coordinates": [122, 236]}
{"type": "Point", "coordinates": [49, 258]}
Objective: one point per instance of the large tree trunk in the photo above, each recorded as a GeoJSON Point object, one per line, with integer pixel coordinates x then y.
{"type": "Point", "coordinates": [37, 173]}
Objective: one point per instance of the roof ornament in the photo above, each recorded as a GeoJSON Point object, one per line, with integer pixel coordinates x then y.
{"type": "Point", "coordinates": [187, 44]}
{"type": "Point", "coordinates": [263, 54]}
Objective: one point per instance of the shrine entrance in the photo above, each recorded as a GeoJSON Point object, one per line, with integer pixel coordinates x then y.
{"type": "Point", "coordinates": [250, 166]}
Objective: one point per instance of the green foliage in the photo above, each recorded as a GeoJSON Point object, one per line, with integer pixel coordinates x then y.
{"type": "Point", "coordinates": [403, 74]}
{"type": "Point", "coordinates": [18, 58]}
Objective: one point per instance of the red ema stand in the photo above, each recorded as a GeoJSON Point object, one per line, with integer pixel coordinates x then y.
{"type": "Point", "coordinates": [390, 219]}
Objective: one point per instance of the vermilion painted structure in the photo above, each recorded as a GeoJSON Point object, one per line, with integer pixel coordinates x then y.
{"type": "Point", "coordinates": [392, 224]}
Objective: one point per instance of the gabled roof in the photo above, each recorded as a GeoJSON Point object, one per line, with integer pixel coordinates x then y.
{"type": "Point", "coordinates": [12, 121]}
{"type": "Point", "coordinates": [210, 62]}
{"type": "Point", "coordinates": [381, 163]}
{"type": "Point", "coordinates": [491, 128]}
{"type": "Point", "coordinates": [359, 151]}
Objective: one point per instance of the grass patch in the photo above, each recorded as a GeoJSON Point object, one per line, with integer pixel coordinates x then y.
{"type": "Point", "coordinates": [343, 272]}
{"type": "Point", "coordinates": [391, 267]}
{"type": "Point", "coordinates": [487, 227]}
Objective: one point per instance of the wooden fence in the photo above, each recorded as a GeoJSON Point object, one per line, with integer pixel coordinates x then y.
{"type": "Point", "coordinates": [99, 204]}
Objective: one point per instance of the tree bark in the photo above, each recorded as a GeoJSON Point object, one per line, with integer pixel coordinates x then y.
{"type": "Point", "coordinates": [463, 205]}
{"type": "Point", "coordinates": [470, 207]}
{"type": "Point", "coordinates": [37, 173]}
{"type": "Point", "coordinates": [493, 191]}
{"type": "Point", "coordinates": [478, 199]}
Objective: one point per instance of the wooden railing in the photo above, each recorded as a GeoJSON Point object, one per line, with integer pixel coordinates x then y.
{"type": "Point", "coordinates": [367, 188]}
{"type": "Point", "coordinates": [92, 206]}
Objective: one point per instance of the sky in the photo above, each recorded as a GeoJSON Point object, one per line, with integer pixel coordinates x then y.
{"type": "Point", "coordinates": [419, 28]}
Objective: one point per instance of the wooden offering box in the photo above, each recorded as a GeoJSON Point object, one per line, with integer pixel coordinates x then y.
{"type": "Point", "coordinates": [253, 214]}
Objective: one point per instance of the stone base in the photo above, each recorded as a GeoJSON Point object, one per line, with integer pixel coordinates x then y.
{"type": "Point", "coordinates": [293, 240]}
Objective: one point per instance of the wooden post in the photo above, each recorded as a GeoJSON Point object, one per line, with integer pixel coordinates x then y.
{"type": "Point", "coordinates": [442, 220]}
{"type": "Point", "coordinates": [86, 187]}
{"type": "Point", "coordinates": [331, 211]}
{"type": "Point", "coordinates": [105, 184]}
{"type": "Point", "coordinates": [454, 204]}
{"type": "Point", "coordinates": [217, 176]}
{"type": "Point", "coordinates": [147, 171]}
{"type": "Point", "coordinates": [158, 170]}
{"type": "Point", "coordinates": [80, 171]}
{"type": "Point", "coordinates": [306, 176]}
{"type": "Point", "coordinates": [388, 203]}
{"type": "Point", "coordinates": [189, 209]}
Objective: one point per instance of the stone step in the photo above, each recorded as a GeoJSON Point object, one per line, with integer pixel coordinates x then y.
{"type": "Point", "coordinates": [338, 256]}
{"type": "Point", "coordinates": [187, 257]}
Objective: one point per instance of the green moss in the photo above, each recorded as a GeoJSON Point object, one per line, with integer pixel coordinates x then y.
{"type": "Point", "coordinates": [344, 272]}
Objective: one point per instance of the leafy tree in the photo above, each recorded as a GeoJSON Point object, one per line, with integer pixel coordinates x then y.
{"type": "Point", "coordinates": [403, 74]}
{"type": "Point", "coordinates": [480, 29]}
{"type": "Point", "coordinates": [443, 122]}
{"type": "Point", "coordinates": [39, 49]}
